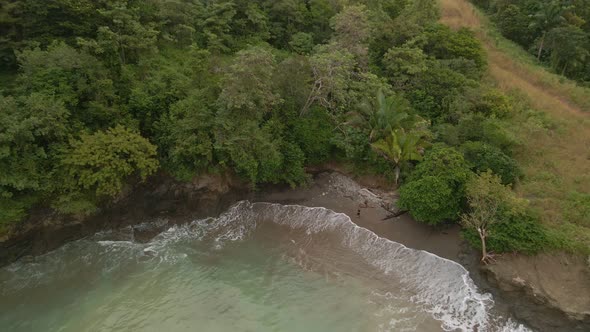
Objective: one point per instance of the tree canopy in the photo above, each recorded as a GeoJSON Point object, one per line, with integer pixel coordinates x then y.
{"type": "Point", "coordinates": [555, 31]}
{"type": "Point", "coordinates": [100, 95]}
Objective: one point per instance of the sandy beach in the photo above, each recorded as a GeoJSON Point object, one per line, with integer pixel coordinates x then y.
{"type": "Point", "coordinates": [339, 193]}
{"type": "Point", "coordinates": [539, 290]}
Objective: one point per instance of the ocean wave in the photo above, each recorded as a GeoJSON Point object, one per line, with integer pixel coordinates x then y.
{"type": "Point", "coordinates": [440, 286]}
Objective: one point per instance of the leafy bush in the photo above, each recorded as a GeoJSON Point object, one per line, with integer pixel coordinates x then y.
{"type": "Point", "coordinates": [101, 162]}
{"type": "Point", "coordinates": [493, 103]}
{"type": "Point", "coordinates": [444, 43]}
{"type": "Point", "coordinates": [353, 144]}
{"type": "Point", "coordinates": [446, 163]}
{"type": "Point", "coordinates": [446, 133]}
{"type": "Point", "coordinates": [430, 200]}
{"type": "Point", "coordinates": [293, 171]}
{"type": "Point", "coordinates": [436, 189]}
{"type": "Point", "coordinates": [401, 64]}
{"type": "Point", "coordinates": [496, 134]}
{"type": "Point", "coordinates": [432, 90]}
{"type": "Point", "coordinates": [14, 209]}
{"type": "Point", "coordinates": [301, 43]}
{"type": "Point", "coordinates": [477, 127]}
{"type": "Point", "coordinates": [516, 231]}
{"type": "Point", "coordinates": [485, 157]}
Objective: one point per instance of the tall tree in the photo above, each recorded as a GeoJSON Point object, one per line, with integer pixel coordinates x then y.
{"type": "Point", "coordinates": [124, 37]}
{"type": "Point", "coordinates": [248, 86]}
{"type": "Point", "coordinates": [570, 49]}
{"type": "Point", "coordinates": [185, 136]}
{"type": "Point", "coordinates": [29, 128]}
{"type": "Point", "coordinates": [75, 77]}
{"type": "Point", "coordinates": [101, 162]}
{"type": "Point", "coordinates": [332, 73]}
{"type": "Point", "coordinates": [435, 189]}
{"type": "Point", "coordinates": [352, 31]}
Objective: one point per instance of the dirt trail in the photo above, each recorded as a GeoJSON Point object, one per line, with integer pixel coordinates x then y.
{"type": "Point", "coordinates": [508, 73]}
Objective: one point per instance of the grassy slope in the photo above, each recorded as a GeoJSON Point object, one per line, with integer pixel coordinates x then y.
{"type": "Point", "coordinates": [553, 126]}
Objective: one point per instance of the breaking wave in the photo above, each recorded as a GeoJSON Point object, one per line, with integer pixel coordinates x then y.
{"type": "Point", "coordinates": [439, 286]}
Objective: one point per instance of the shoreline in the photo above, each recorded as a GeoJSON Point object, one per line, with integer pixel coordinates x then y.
{"type": "Point", "coordinates": [517, 282]}
{"type": "Point", "coordinates": [211, 195]}
{"type": "Point", "coordinates": [324, 192]}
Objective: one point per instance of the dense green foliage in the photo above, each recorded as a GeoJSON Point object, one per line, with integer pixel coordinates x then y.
{"type": "Point", "coordinates": [436, 189]}
{"type": "Point", "coordinates": [556, 31]}
{"type": "Point", "coordinates": [103, 94]}
{"type": "Point", "coordinates": [431, 200]}
{"type": "Point", "coordinates": [483, 157]}
{"type": "Point", "coordinates": [497, 220]}
{"type": "Point", "coordinates": [515, 231]}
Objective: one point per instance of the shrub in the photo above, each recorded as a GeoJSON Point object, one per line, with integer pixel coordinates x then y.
{"type": "Point", "coordinates": [493, 103]}
{"type": "Point", "coordinates": [476, 127]}
{"type": "Point", "coordinates": [293, 171]}
{"type": "Point", "coordinates": [517, 231]}
{"type": "Point", "coordinates": [436, 188]}
{"type": "Point", "coordinates": [496, 134]}
{"type": "Point", "coordinates": [483, 157]}
{"type": "Point", "coordinates": [430, 200]}
{"type": "Point", "coordinates": [446, 133]}
{"type": "Point", "coordinates": [444, 43]}
{"type": "Point", "coordinates": [301, 43]}
{"type": "Point", "coordinates": [14, 209]}
{"type": "Point", "coordinates": [446, 163]}
{"type": "Point", "coordinates": [433, 89]}
{"type": "Point", "coordinates": [577, 208]}
{"type": "Point", "coordinates": [354, 144]}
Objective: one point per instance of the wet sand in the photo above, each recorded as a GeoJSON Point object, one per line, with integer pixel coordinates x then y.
{"type": "Point", "coordinates": [338, 193]}
{"type": "Point", "coordinates": [525, 288]}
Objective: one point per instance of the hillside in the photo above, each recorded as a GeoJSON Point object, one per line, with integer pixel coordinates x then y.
{"type": "Point", "coordinates": [554, 134]}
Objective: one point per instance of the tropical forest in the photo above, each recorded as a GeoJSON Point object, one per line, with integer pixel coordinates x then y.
{"type": "Point", "coordinates": [295, 165]}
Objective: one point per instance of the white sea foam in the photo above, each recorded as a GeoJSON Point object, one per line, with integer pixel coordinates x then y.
{"type": "Point", "coordinates": [443, 287]}
{"type": "Point", "coordinates": [440, 286]}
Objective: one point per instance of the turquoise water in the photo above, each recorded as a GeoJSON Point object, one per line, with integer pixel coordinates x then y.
{"type": "Point", "coordinates": [258, 267]}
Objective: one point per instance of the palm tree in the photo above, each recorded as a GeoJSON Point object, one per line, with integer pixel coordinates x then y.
{"type": "Point", "coordinates": [569, 48]}
{"type": "Point", "coordinates": [400, 147]}
{"type": "Point", "coordinates": [384, 115]}
{"type": "Point", "coordinates": [548, 16]}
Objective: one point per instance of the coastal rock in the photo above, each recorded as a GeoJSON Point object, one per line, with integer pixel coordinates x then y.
{"type": "Point", "coordinates": [342, 185]}
{"type": "Point", "coordinates": [44, 230]}
{"type": "Point", "coordinates": [144, 232]}
{"type": "Point", "coordinates": [551, 292]}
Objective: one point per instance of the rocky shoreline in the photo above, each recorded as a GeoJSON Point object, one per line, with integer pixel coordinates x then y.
{"type": "Point", "coordinates": [518, 289]}
{"type": "Point", "coordinates": [44, 230]}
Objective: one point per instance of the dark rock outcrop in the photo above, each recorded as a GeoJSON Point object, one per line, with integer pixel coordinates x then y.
{"type": "Point", "coordinates": [555, 305]}
{"type": "Point", "coordinates": [45, 230]}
